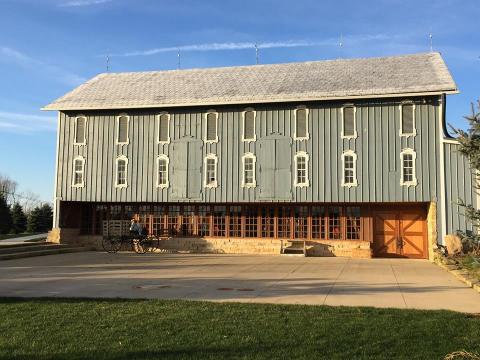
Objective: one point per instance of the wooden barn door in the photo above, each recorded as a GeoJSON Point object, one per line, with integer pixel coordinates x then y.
{"type": "Point", "coordinates": [400, 233]}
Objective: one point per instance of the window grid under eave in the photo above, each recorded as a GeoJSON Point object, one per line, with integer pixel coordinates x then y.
{"type": "Point", "coordinates": [78, 172]}
{"type": "Point", "coordinates": [121, 172]}
{"type": "Point", "coordinates": [162, 172]}
{"type": "Point", "coordinates": [249, 171]}
{"type": "Point", "coordinates": [80, 130]}
{"type": "Point", "coordinates": [163, 128]}
{"type": "Point", "coordinates": [408, 175]}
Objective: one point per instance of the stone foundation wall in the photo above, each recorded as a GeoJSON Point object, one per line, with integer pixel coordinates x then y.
{"type": "Point", "coordinates": [432, 235]}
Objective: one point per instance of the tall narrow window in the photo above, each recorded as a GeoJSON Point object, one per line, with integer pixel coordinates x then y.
{"type": "Point", "coordinates": [248, 179]}
{"type": "Point", "coordinates": [162, 167]}
{"type": "Point", "coordinates": [122, 129]}
{"type": "Point", "coordinates": [211, 135]}
{"type": "Point", "coordinates": [301, 169]}
{"type": "Point", "coordinates": [164, 128]}
{"type": "Point", "coordinates": [78, 172]}
{"type": "Point", "coordinates": [407, 120]}
{"type": "Point", "coordinates": [211, 171]}
{"type": "Point", "coordinates": [249, 116]}
{"type": "Point", "coordinates": [121, 173]}
{"type": "Point", "coordinates": [80, 130]}
{"type": "Point", "coordinates": [301, 124]}
{"type": "Point", "coordinates": [349, 130]}
{"type": "Point", "coordinates": [408, 176]}
{"type": "Point", "coordinates": [349, 159]}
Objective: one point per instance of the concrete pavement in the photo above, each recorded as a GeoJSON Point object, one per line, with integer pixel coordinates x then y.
{"type": "Point", "coordinates": [22, 239]}
{"type": "Point", "coordinates": [395, 283]}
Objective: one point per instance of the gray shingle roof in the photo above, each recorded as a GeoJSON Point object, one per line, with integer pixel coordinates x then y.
{"type": "Point", "coordinates": [317, 80]}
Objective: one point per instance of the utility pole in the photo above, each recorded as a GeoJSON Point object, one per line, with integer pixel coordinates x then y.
{"type": "Point", "coordinates": [256, 53]}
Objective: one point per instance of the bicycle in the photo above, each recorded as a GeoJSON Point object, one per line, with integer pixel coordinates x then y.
{"type": "Point", "coordinates": [138, 243]}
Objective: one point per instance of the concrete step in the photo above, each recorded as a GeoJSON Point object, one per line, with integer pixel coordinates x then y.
{"type": "Point", "coordinates": [34, 247]}
{"type": "Point", "coordinates": [64, 249]}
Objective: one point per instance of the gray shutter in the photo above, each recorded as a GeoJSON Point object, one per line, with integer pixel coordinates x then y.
{"type": "Point", "coordinates": [407, 119]}
{"type": "Point", "coordinates": [301, 123]}
{"type": "Point", "coordinates": [211, 126]}
{"type": "Point", "coordinates": [266, 176]}
{"type": "Point", "coordinates": [283, 169]}
{"type": "Point", "coordinates": [194, 178]}
{"type": "Point", "coordinates": [80, 131]}
{"type": "Point", "coordinates": [348, 121]}
{"type": "Point", "coordinates": [163, 128]}
{"type": "Point", "coordinates": [122, 129]}
{"type": "Point", "coordinates": [249, 125]}
{"type": "Point", "coordinates": [179, 170]}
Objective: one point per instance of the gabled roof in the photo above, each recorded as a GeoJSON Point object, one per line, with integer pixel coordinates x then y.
{"type": "Point", "coordinates": [316, 80]}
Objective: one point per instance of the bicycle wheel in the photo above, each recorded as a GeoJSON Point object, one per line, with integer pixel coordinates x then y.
{"type": "Point", "coordinates": [111, 244]}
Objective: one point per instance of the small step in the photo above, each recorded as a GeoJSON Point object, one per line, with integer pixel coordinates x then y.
{"type": "Point", "coordinates": [62, 250]}
{"type": "Point", "coordinates": [34, 247]}
{"type": "Point", "coordinates": [8, 246]}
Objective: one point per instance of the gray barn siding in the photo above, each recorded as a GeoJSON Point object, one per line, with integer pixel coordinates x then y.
{"type": "Point", "coordinates": [378, 147]}
{"type": "Point", "coordinates": [459, 183]}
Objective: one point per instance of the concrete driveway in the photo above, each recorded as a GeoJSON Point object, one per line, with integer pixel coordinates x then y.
{"type": "Point", "coordinates": [395, 283]}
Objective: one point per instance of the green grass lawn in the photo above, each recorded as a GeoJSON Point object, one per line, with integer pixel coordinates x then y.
{"type": "Point", "coordinates": [154, 329]}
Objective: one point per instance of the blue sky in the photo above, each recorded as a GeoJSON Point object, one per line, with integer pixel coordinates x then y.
{"type": "Point", "coordinates": [47, 47]}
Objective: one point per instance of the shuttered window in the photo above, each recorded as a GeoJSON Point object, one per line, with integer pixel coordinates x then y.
{"type": "Point", "coordinates": [162, 165]}
{"type": "Point", "coordinates": [163, 128]}
{"type": "Point", "coordinates": [121, 175]}
{"type": "Point", "coordinates": [80, 130]}
{"type": "Point", "coordinates": [249, 125]}
{"type": "Point", "coordinates": [349, 122]}
{"type": "Point", "coordinates": [122, 134]}
{"type": "Point", "coordinates": [301, 126]}
{"type": "Point", "coordinates": [211, 133]}
{"type": "Point", "coordinates": [349, 159]}
{"type": "Point", "coordinates": [78, 171]}
{"type": "Point", "coordinates": [408, 177]}
{"type": "Point", "coordinates": [408, 119]}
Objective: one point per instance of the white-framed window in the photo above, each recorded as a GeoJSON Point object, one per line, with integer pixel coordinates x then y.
{"type": "Point", "coordinates": [408, 175]}
{"type": "Point", "coordinates": [349, 122]}
{"type": "Point", "coordinates": [349, 163]}
{"type": "Point", "coordinates": [301, 124]}
{"type": "Point", "coordinates": [80, 136]}
{"type": "Point", "coordinates": [301, 169]}
{"type": "Point", "coordinates": [121, 172]}
{"type": "Point", "coordinates": [248, 174]}
{"type": "Point", "coordinates": [248, 128]}
{"type": "Point", "coordinates": [78, 172]}
{"type": "Point", "coordinates": [162, 171]}
{"type": "Point", "coordinates": [210, 177]}
{"type": "Point", "coordinates": [163, 128]}
{"type": "Point", "coordinates": [211, 127]}
{"type": "Point", "coordinates": [407, 119]}
{"type": "Point", "coordinates": [123, 125]}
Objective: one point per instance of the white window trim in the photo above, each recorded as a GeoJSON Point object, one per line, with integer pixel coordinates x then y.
{"type": "Point", "coordinates": [206, 127]}
{"type": "Point", "coordinates": [414, 157]}
{"type": "Point", "coordinates": [163, 157]}
{"type": "Point", "coordinates": [118, 130]}
{"type": "Point", "coordinates": [82, 184]}
{"type": "Point", "coordinates": [254, 183]}
{"type": "Point", "coordinates": [307, 160]}
{"type": "Point", "coordinates": [355, 135]}
{"type": "Point", "coordinates": [215, 183]}
{"type": "Point", "coordinates": [168, 128]}
{"type": "Point", "coordinates": [254, 125]}
{"type": "Point", "coordinates": [306, 125]}
{"type": "Point", "coordinates": [84, 132]}
{"type": "Point", "coordinates": [414, 120]}
{"type": "Point", "coordinates": [355, 181]}
{"type": "Point", "coordinates": [117, 185]}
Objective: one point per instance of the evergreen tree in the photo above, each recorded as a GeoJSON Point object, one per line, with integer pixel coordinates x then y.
{"type": "Point", "coordinates": [5, 218]}
{"type": "Point", "coordinates": [19, 220]}
{"type": "Point", "coordinates": [46, 217]}
{"type": "Point", "coordinates": [470, 147]}
{"type": "Point", "coordinates": [34, 220]}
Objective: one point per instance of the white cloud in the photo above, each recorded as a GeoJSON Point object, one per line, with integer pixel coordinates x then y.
{"type": "Point", "coordinates": [260, 45]}
{"type": "Point", "coordinates": [79, 3]}
{"type": "Point", "coordinates": [26, 123]}
{"type": "Point", "coordinates": [37, 65]}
